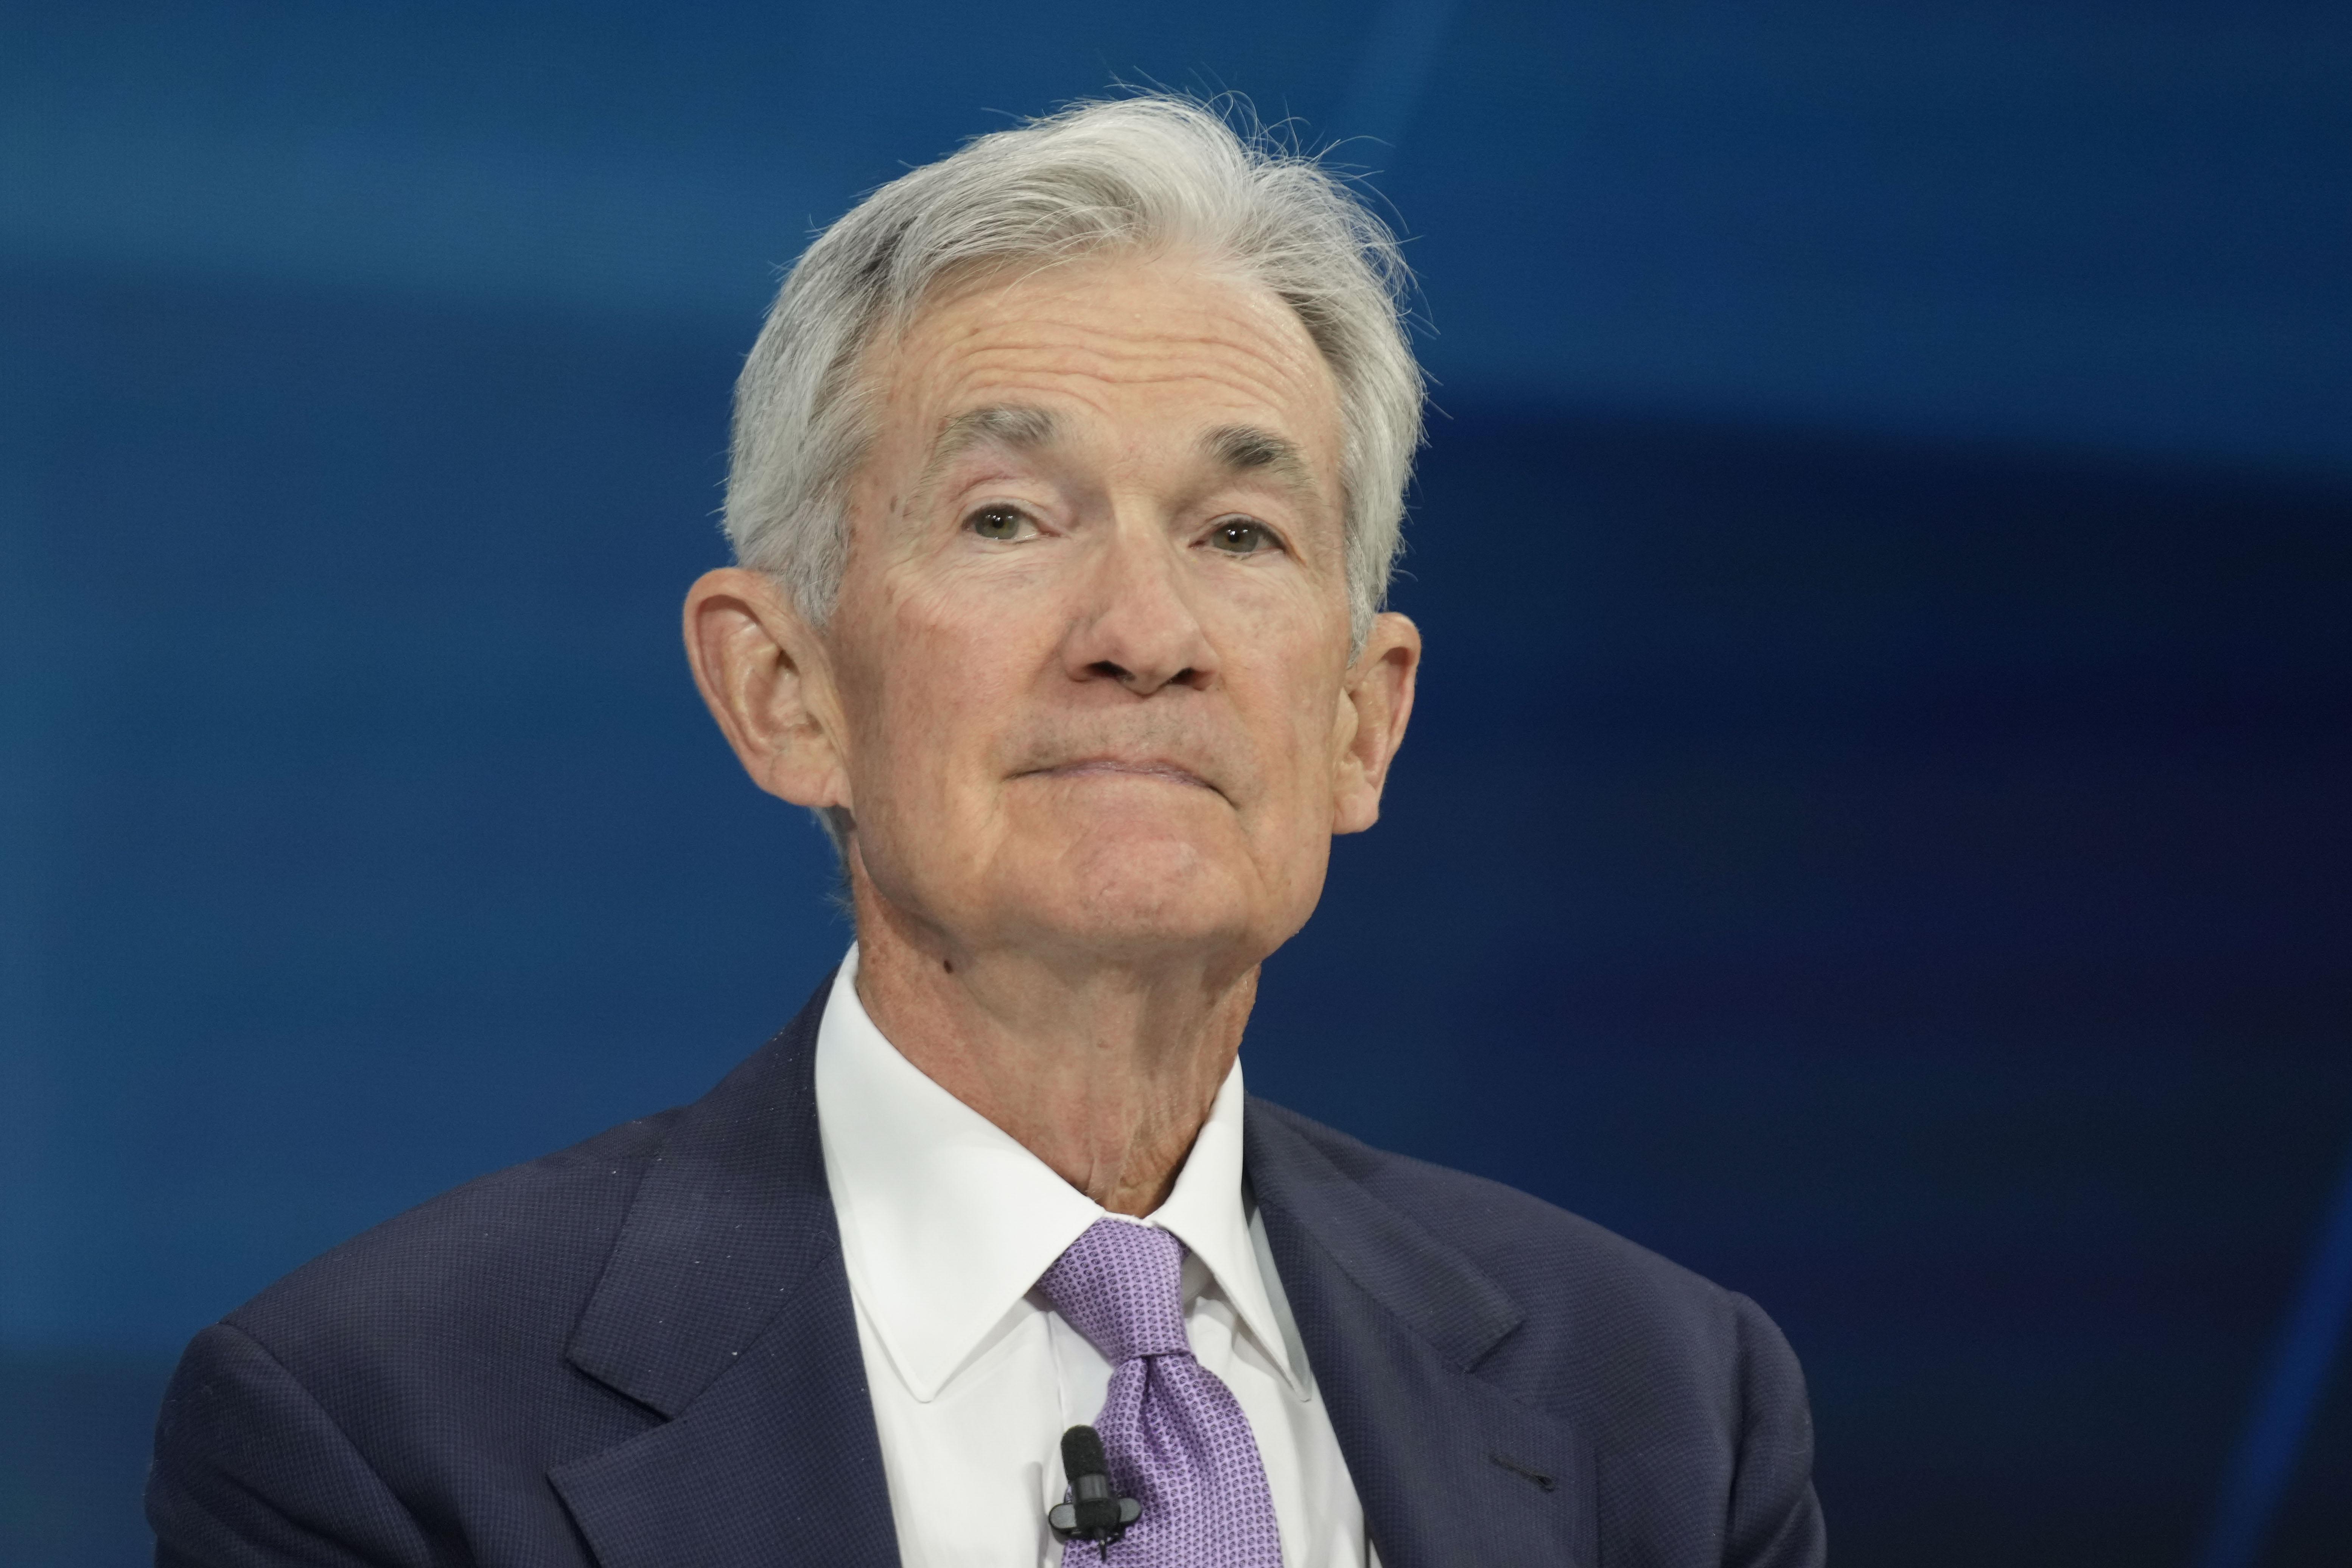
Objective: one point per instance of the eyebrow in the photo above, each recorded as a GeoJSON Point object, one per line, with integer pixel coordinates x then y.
{"type": "Point", "coordinates": [1244, 448]}
{"type": "Point", "coordinates": [1236, 449]}
{"type": "Point", "coordinates": [1010, 424]}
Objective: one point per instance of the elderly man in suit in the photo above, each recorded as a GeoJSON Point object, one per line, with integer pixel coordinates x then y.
{"type": "Point", "coordinates": [1068, 476]}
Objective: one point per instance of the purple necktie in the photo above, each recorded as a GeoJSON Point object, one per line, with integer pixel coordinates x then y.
{"type": "Point", "coordinates": [1178, 1441]}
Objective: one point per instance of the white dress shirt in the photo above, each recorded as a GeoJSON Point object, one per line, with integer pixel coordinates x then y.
{"type": "Point", "coordinates": [947, 1223]}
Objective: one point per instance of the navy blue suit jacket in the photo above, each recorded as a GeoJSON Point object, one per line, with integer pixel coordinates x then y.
{"type": "Point", "coordinates": [641, 1351]}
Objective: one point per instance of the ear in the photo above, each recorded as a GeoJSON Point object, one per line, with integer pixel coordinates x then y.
{"type": "Point", "coordinates": [764, 674]}
{"type": "Point", "coordinates": [1374, 706]}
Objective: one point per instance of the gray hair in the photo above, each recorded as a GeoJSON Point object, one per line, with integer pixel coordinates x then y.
{"type": "Point", "coordinates": [1147, 172]}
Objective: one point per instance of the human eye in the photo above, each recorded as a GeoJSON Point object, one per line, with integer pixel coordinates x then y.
{"type": "Point", "coordinates": [1243, 536]}
{"type": "Point", "coordinates": [998, 522]}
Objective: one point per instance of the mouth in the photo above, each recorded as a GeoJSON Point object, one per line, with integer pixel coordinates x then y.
{"type": "Point", "coordinates": [1124, 767]}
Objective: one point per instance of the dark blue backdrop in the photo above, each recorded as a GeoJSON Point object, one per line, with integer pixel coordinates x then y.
{"type": "Point", "coordinates": [1874, 831]}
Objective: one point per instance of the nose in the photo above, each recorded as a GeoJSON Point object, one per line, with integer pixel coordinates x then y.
{"type": "Point", "coordinates": [1136, 624]}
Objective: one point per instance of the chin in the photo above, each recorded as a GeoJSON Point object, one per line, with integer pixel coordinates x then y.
{"type": "Point", "coordinates": [1144, 892]}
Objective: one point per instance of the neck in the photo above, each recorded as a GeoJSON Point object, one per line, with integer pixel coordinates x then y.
{"type": "Point", "coordinates": [1104, 1070]}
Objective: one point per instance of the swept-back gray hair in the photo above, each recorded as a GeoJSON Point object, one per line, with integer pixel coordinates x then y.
{"type": "Point", "coordinates": [1148, 173]}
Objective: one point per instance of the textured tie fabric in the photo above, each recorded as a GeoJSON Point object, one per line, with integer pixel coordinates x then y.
{"type": "Point", "coordinates": [1178, 1441]}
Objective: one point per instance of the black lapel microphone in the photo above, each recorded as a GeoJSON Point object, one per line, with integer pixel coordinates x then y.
{"type": "Point", "coordinates": [1092, 1513]}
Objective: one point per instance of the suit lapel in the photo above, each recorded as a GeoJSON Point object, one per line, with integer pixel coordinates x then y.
{"type": "Point", "coordinates": [726, 1308]}
{"type": "Point", "coordinates": [1450, 1469]}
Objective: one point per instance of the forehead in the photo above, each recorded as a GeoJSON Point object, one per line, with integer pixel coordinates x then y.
{"type": "Point", "coordinates": [1133, 345]}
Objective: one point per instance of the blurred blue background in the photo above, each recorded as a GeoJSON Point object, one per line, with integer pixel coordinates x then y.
{"type": "Point", "coordinates": [1875, 829]}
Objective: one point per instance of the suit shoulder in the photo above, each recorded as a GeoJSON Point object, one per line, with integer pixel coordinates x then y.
{"type": "Point", "coordinates": [1590, 1298]}
{"type": "Point", "coordinates": [1498, 1227]}
{"type": "Point", "coordinates": [508, 1253]}
{"type": "Point", "coordinates": [1684, 1391]}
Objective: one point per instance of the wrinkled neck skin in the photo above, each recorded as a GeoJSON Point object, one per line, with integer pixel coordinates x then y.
{"type": "Point", "coordinates": [1103, 1065]}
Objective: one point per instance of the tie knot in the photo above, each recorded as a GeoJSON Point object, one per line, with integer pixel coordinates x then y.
{"type": "Point", "coordinates": [1121, 1286]}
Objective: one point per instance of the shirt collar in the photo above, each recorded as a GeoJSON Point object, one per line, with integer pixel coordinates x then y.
{"type": "Point", "coordinates": [947, 1221]}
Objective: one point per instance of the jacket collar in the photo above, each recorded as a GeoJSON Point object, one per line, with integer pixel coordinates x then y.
{"type": "Point", "coordinates": [1450, 1469]}
{"type": "Point", "coordinates": [725, 1307]}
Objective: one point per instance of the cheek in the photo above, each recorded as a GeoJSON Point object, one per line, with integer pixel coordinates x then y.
{"type": "Point", "coordinates": [933, 688]}
{"type": "Point", "coordinates": [1299, 740]}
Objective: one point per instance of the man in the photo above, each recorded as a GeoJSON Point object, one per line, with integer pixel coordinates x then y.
{"type": "Point", "coordinates": [1068, 476]}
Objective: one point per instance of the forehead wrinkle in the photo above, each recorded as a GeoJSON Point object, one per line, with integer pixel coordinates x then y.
{"type": "Point", "coordinates": [1078, 343]}
{"type": "Point", "coordinates": [1088, 342]}
{"type": "Point", "coordinates": [1257, 377]}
